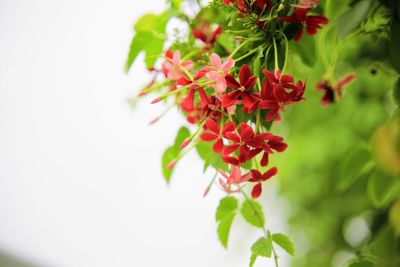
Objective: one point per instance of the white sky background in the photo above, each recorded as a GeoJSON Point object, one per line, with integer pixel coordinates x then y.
{"type": "Point", "coordinates": [80, 176]}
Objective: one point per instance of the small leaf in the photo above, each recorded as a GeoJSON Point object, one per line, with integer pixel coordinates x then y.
{"type": "Point", "coordinates": [226, 207]}
{"type": "Point", "coordinates": [252, 213]}
{"type": "Point", "coordinates": [224, 228]}
{"type": "Point", "coordinates": [352, 18]}
{"type": "Point", "coordinates": [354, 163]}
{"type": "Point", "coordinates": [167, 157]}
{"type": "Point", "coordinates": [252, 260]}
{"type": "Point", "coordinates": [262, 247]}
{"type": "Point", "coordinates": [379, 185]}
{"type": "Point", "coordinates": [284, 242]}
{"type": "Point", "coordinates": [172, 152]}
{"type": "Point", "coordinates": [146, 22]}
{"type": "Point", "coordinates": [204, 149]}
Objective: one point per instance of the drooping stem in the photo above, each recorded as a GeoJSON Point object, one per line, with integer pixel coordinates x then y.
{"type": "Point", "coordinates": [267, 233]}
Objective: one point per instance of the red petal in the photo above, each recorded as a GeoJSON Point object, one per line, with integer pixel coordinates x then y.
{"type": "Point", "coordinates": [231, 81]}
{"type": "Point", "coordinates": [188, 102]}
{"type": "Point", "coordinates": [230, 160]}
{"type": "Point", "coordinates": [255, 176]}
{"type": "Point", "coordinates": [265, 159]}
{"type": "Point", "coordinates": [229, 149]}
{"type": "Point", "coordinates": [207, 136]}
{"type": "Point", "coordinates": [244, 74]}
{"type": "Point", "coordinates": [229, 127]}
{"type": "Point", "coordinates": [212, 126]}
{"type": "Point", "coordinates": [257, 189]}
{"type": "Point", "coordinates": [233, 137]}
{"type": "Point", "coordinates": [268, 174]}
{"type": "Point", "coordinates": [218, 146]}
{"type": "Point", "coordinates": [247, 133]}
{"type": "Point", "coordinates": [230, 98]}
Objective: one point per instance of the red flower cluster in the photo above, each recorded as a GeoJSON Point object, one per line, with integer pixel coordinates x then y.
{"type": "Point", "coordinates": [229, 105]}
{"type": "Point", "coordinates": [241, 144]}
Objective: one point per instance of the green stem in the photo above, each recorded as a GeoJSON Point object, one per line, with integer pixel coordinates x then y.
{"type": "Point", "coordinates": [248, 54]}
{"type": "Point", "coordinates": [275, 54]}
{"type": "Point", "coordinates": [267, 233]}
{"type": "Point", "coordinates": [286, 51]}
{"type": "Point", "coordinates": [242, 45]}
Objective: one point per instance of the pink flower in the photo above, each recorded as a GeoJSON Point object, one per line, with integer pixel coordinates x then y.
{"type": "Point", "coordinates": [172, 66]}
{"type": "Point", "coordinates": [218, 71]}
{"type": "Point", "coordinates": [235, 178]}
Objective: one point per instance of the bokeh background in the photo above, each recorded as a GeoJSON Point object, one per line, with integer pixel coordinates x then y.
{"type": "Point", "coordinates": [80, 174]}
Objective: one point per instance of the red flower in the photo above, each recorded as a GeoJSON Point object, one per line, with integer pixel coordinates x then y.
{"type": "Point", "coordinates": [204, 34]}
{"type": "Point", "coordinates": [214, 133]}
{"type": "Point", "coordinates": [242, 142]}
{"type": "Point", "coordinates": [300, 17]}
{"type": "Point", "coordinates": [243, 91]}
{"type": "Point", "coordinates": [258, 6]}
{"type": "Point", "coordinates": [258, 178]}
{"type": "Point", "coordinates": [268, 143]}
{"type": "Point", "coordinates": [333, 93]}
{"type": "Point", "coordinates": [188, 102]}
{"type": "Point", "coordinates": [274, 95]}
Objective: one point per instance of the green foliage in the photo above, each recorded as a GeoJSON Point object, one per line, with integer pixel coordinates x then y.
{"type": "Point", "coordinates": [253, 259]}
{"type": "Point", "coordinates": [305, 48]}
{"type": "Point", "coordinates": [227, 206]}
{"type": "Point", "coordinates": [225, 214]}
{"type": "Point", "coordinates": [210, 157]}
{"type": "Point", "coordinates": [252, 213]}
{"type": "Point", "coordinates": [394, 44]}
{"type": "Point", "coordinates": [379, 185]}
{"type": "Point", "coordinates": [284, 242]}
{"type": "Point", "coordinates": [352, 167]}
{"type": "Point", "coordinates": [262, 247]}
{"type": "Point", "coordinates": [352, 18]}
{"type": "Point", "coordinates": [149, 38]}
{"type": "Point", "coordinates": [172, 152]}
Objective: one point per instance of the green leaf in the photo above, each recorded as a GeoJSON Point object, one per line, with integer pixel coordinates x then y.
{"type": "Point", "coordinates": [226, 207]}
{"type": "Point", "coordinates": [149, 38]}
{"type": "Point", "coordinates": [394, 44]}
{"type": "Point", "coordinates": [172, 152]}
{"type": "Point", "coordinates": [252, 260]}
{"type": "Point", "coordinates": [167, 157]}
{"type": "Point", "coordinates": [354, 163]}
{"type": "Point", "coordinates": [224, 228]}
{"type": "Point", "coordinates": [262, 247]}
{"type": "Point", "coordinates": [379, 185]}
{"type": "Point", "coordinates": [284, 242]}
{"type": "Point", "coordinates": [146, 23]}
{"type": "Point", "coordinates": [352, 18]}
{"type": "Point", "coordinates": [252, 213]}
{"type": "Point", "coordinates": [182, 134]}
{"type": "Point", "coordinates": [204, 149]}
{"type": "Point", "coordinates": [305, 48]}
